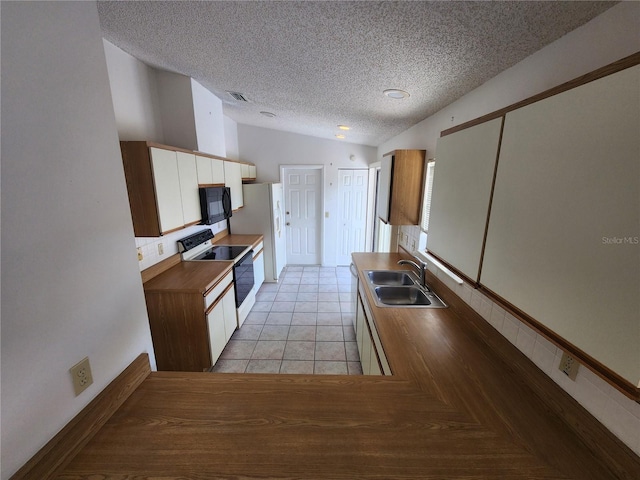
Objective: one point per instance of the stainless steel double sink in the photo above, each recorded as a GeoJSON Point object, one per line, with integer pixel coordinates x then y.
{"type": "Point", "coordinates": [400, 288]}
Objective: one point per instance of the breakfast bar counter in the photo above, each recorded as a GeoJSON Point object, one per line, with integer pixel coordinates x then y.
{"type": "Point", "coordinates": [462, 403]}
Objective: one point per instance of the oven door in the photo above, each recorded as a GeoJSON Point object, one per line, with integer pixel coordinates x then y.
{"type": "Point", "coordinates": [243, 277]}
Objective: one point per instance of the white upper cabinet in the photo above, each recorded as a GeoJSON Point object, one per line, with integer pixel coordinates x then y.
{"type": "Point", "coordinates": [233, 180]}
{"type": "Point", "coordinates": [463, 177]}
{"type": "Point", "coordinates": [189, 188]}
{"type": "Point", "coordinates": [167, 185]}
{"type": "Point", "coordinates": [210, 170]}
{"type": "Point", "coordinates": [205, 176]}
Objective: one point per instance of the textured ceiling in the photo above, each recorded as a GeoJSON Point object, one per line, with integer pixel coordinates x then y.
{"type": "Point", "coordinates": [317, 64]}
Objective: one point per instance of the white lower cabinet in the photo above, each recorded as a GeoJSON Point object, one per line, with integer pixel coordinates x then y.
{"type": "Point", "coordinates": [370, 349]}
{"type": "Point", "coordinates": [258, 267]}
{"type": "Point", "coordinates": [221, 320]}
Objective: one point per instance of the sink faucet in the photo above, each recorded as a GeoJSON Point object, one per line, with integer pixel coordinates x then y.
{"type": "Point", "coordinates": [420, 269]}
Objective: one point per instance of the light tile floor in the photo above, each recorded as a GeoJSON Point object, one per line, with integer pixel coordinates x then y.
{"type": "Point", "coordinates": [303, 324]}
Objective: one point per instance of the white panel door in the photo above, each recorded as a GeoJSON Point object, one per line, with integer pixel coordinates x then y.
{"type": "Point", "coordinates": [352, 225]}
{"type": "Point", "coordinates": [303, 196]}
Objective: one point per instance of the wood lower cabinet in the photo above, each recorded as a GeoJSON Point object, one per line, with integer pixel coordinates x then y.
{"type": "Point", "coordinates": [401, 186]}
{"type": "Point", "coordinates": [189, 329]}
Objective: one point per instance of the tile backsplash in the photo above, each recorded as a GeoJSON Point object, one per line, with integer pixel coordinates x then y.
{"type": "Point", "coordinates": [615, 411]}
{"type": "Point", "coordinates": [150, 245]}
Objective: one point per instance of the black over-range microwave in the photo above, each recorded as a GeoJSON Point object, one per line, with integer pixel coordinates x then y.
{"type": "Point", "coordinates": [215, 204]}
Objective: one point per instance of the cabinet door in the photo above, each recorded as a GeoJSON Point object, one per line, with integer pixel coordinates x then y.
{"type": "Point", "coordinates": [167, 184]}
{"type": "Point", "coordinates": [562, 242]}
{"type": "Point", "coordinates": [205, 176]}
{"type": "Point", "coordinates": [253, 172]}
{"type": "Point", "coordinates": [384, 188]}
{"type": "Point", "coordinates": [244, 168]}
{"type": "Point", "coordinates": [258, 271]}
{"type": "Point", "coordinates": [462, 183]}
{"type": "Point", "coordinates": [230, 313]}
{"type": "Point", "coordinates": [217, 171]}
{"type": "Point", "coordinates": [188, 174]}
{"type": "Point", "coordinates": [233, 180]}
{"type": "Point", "coordinates": [217, 336]}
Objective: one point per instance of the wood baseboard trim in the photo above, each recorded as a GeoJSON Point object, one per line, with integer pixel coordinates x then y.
{"type": "Point", "coordinates": [63, 447]}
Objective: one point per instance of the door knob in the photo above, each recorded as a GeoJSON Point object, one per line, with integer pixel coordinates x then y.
{"type": "Point", "coordinates": [288, 224]}
{"type": "Point", "coordinates": [287, 213]}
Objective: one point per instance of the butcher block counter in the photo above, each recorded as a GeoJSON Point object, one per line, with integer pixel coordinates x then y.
{"type": "Point", "coordinates": [462, 403]}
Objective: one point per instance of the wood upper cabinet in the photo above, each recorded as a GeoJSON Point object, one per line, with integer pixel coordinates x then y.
{"type": "Point", "coordinates": [401, 185]}
{"type": "Point", "coordinates": [162, 187]}
{"type": "Point", "coordinates": [233, 180]}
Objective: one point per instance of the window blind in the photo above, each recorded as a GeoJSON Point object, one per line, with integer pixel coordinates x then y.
{"type": "Point", "coordinates": [426, 199]}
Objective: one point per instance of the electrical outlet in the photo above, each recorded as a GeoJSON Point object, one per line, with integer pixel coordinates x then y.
{"type": "Point", "coordinates": [81, 375]}
{"type": "Point", "coordinates": [160, 249]}
{"type": "Point", "coordinates": [569, 366]}
{"type": "Point", "coordinates": [140, 256]}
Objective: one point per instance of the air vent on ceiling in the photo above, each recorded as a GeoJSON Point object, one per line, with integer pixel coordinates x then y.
{"type": "Point", "coordinates": [238, 96]}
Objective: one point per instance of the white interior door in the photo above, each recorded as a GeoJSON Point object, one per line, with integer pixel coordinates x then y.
{"type": "Point", "coordinates": [353, 213]}
{"type": "Point", "coordinates": [303, 213]}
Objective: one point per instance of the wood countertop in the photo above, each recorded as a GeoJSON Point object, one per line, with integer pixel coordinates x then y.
{"type": "Point", "coordinates": [462, 403]}
{"type": "Point", "coordinates": [189, 277]}
{"type": "Point", "coordinates": [238, 239]}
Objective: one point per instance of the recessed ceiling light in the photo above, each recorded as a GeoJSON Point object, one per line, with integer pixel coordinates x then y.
{"type": "Point", "coordinates": [268, 114]}
{"type": "Point", "coordinates": [344, 127]}
{"type": "Point", "coordinates": [395, 93]}
{"type": "Point", "coordinates": [341, 136]}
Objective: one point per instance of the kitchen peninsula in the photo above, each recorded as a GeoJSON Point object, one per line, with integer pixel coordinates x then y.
{"type": "Point", "coordinates": [462, 403]}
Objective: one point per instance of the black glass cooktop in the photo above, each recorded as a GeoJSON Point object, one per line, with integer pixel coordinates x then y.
{"type": "Point", "coordinates": [222, 252]}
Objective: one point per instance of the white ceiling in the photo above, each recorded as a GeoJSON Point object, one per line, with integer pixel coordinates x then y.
{"type": "Point", "coordinates": [317, 64]}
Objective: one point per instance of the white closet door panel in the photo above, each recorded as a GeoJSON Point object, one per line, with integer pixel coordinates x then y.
{"type": "Point", "coordinates": [188, 174]}
{"type": "Point", "coordinates": [167, 184]}
{"type": "Point", "coordinates": [562, 242]}
{"type": "Point", "coordinates": [465, 165]}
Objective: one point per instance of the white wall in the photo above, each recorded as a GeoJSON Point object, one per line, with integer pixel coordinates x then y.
{"type": "Point", "coordinates": [70, 283]}
{"type": "Point", "coordinates": [607, 38]}
{"type": "Point", "coordinates": [209, 121]}
{"type": "Point", "coordinates": [134, 93]}
{"type": "Point", "coordinates": [176, 110]}
{"type": "Point", "coordinates": [231, 139]}
{"type": "Point", "coordinates": [270, 149]}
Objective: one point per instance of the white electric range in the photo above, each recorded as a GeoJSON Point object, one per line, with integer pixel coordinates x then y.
{"type": "Point", "coordinates": [198, 247]}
